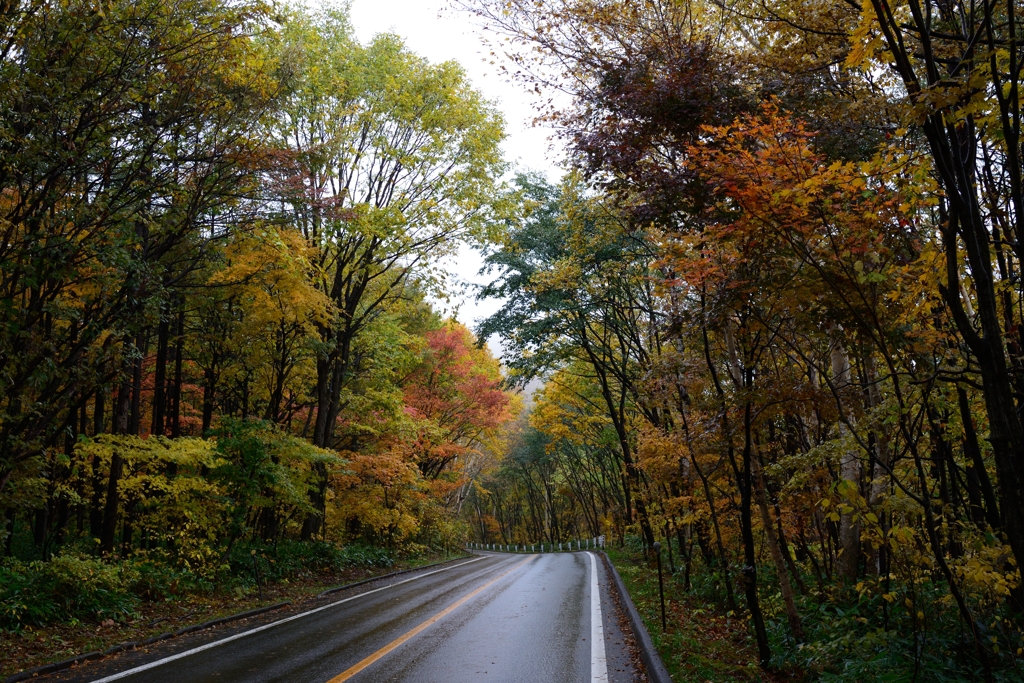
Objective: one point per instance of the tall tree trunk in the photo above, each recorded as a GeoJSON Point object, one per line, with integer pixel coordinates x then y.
{"type": "Point", "coordinates": [781, 568]}
{"type": "Point", "coordinates": [128, 530]}
{"type": "Point", "coordinates": [727, 438]}
{"type": "Point", "coordinates": [42, 518]}
{"type": "Point", "coordinates": [273, 412]}
{"type": "Point", "coordinates": [794, 571]}
{"type": "Point", "coordinates": [160, 381]}
{"type": "Point", "coordinates": [977, 475]}
{"type": "Point", "coordinates": [135, 419]}
{"type": "Point", "coordinates": [63, 505]}
{"type": "Point", "coordinates": [954, 143]}
{"type": "Point", "coordinates": [327, 375]}
{"type": "Point", "coordinates": [743, 479]}
{"type": "Point", "coordinates": [96, 500]}
{"type": "Point", "coordinates": [110, 509]}
{"type": "Point", "coordinates": [330, 371]}
{"type": "Point", "coordinates": [719, 544]}
{"type": "Point", "coordinates": [743, 378]}
{"type": "Point", "coordinates": [882, 462]}
{"type": "Point", "coordinates": [209, 387]}
{"type": "Point", "coordinates": [98, 418]}
{"type": "Point", "coordinates": [617, 411]}
{"type": "Point", "coordinates": [849, 472]}
{"type": "Point", "coordinates": [122, 407]}
{"type": "Point", "coordinates": [179, 355]}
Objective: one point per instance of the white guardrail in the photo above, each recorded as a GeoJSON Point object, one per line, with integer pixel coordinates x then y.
{"type": "Point", "coordinates": [597, 542]}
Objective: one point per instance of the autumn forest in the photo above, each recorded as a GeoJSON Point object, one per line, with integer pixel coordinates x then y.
{"type": "Point", "coordinates": [770, 317]}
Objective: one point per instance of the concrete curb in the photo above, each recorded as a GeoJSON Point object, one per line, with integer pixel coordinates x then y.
{"type": "Point", "coordinates": [656, 671]}
{"type": "Point", "coordinates": [50, 668]}
{"type": "Point", "coordinates": [68, 663]}
{"type": "Point", "coordinates": [338, 589]}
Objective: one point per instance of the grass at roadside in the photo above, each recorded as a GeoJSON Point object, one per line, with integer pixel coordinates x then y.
{"type": "Point", "coordinates": [702, 643]}
{"type": "Point", "coordinates": [33, 646]}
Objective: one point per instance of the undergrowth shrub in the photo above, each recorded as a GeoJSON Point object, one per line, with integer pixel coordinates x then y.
{"type": "Point", "coordinates": [876, 630]}
{"type": "Point", "coordinates": [291, 559]}
{"type": "Point", "coordinates": [73, 587]}
{"type": "Point", "coordinates": [367, 556]}
{"type": "Point", "coordinates": [159, 577]}
{"type": "Point", "coordinates": [68, 588]}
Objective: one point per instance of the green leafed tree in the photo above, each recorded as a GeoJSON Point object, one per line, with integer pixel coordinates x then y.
{"type": "Point", "coordinates": [127, 138]}
{"type": "Point", "coordinates": [389, 162]}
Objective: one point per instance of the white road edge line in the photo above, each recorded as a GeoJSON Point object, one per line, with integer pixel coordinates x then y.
{"type": "Point", "coordinates": [243, 634]}
{"type": "Point", "coordinates": [598, 661]}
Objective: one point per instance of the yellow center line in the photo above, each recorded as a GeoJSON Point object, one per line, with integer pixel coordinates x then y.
{"type": "Point", "coordinates": [353, 670]}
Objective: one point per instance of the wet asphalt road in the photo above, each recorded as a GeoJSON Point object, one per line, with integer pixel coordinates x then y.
{"type": "Point", "coordinates": [495, 617]}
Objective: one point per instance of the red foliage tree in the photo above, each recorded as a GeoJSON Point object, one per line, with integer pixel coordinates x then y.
{"type": "Point", "coordinates": [455, 396]}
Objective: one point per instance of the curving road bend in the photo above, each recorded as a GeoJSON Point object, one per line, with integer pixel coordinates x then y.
{"type": "Point", "coordinates": [493, 617]}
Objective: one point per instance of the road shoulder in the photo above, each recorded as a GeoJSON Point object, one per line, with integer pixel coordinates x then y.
{"type": "Point", "coordinates": [132, 657]}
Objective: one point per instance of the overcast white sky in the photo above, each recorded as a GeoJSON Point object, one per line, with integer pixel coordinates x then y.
{"type": "Point", "coordinates": [438, 33]}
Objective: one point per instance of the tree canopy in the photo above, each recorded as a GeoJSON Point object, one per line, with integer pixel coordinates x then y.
{"type": "Point", "coordinates": [783, 273]}
{"type": "Point", "coordinates": [771, 316]}
{"type": "Point", "coordinates": [222, 223]}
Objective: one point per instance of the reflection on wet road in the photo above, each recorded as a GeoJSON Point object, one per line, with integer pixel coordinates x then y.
{"type": "Point", "coordinates": [493, 617]}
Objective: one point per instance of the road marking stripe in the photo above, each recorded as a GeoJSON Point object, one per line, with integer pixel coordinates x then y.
{"type": "Point", "coordinates": [243, 634]}
{"type": "Point", "coordinates": [598, 661]}
{"type": "Point", "coordinates": [356, 668]}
